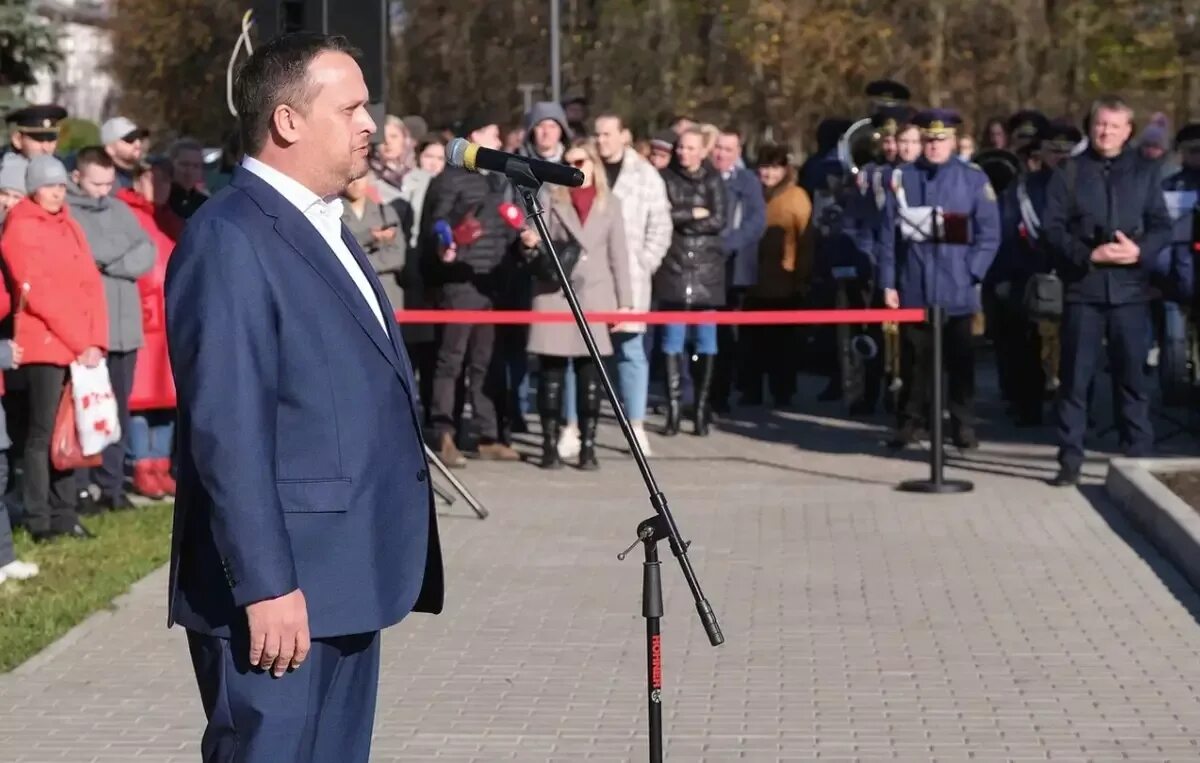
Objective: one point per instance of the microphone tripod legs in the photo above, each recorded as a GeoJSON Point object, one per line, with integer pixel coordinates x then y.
{"type": "Point", "coordinates": [458, 486]}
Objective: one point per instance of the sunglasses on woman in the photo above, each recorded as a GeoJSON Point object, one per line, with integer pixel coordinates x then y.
{"type": "Point", "coordinates": [578, 162]}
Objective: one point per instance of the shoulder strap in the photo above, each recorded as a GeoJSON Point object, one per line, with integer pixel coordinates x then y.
{"type": "Point", "coordinates": [880, 193]}
{"type": "Point", "coordinates": [1029, 216]}
{"type": "Point", "coordinates": [898, 188]}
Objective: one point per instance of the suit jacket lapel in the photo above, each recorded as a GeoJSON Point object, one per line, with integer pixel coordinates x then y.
{"type": "Point", "coordinates": [294, 228]}
{"type": "Point", "coordinates": [389, 310]}
{"type": "Point", "coordinates": [309, 244]}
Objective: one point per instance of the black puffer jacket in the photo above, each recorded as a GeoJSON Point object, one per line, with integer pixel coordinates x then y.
{"type": "Point", "coordinates": [451, 195]}
{"type": "Point", "coordinates": [693, 272]}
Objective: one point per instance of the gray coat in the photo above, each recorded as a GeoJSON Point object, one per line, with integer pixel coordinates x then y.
{"type": "Point", "coordinates": [387, 259]}
{"type": "Point", "coordinates": [601, 277]}
{"type": "Point", "coordinates": [123, 252]}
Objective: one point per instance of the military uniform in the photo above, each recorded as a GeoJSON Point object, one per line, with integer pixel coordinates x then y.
{"type": "Point", "coordinates": [1175, 270]}
{"type": "Point", "coordinates": [1017, 334]}
{"type": "Point", "coordinates": [1183, 192]}
{"type": "Point", "coordinates": [865, 222]}
{"type": "Point", "coordinates": [1025, 129]}
{"type": "Point", "coordinates": [39, 123]}
{"type": "Point", "coordinates": [940, 234]}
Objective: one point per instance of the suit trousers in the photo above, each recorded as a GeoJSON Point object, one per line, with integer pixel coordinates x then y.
{"type": "Point", "coordinates": [472, 343]}
{"type": "Point", "coordinates": [49, 495]}
{"type": "Point", "coordinates": [1085, 327]}
{"type": "Point", "coordinates": [323, 711]}
{"type": "Point", "coordinates": [958, 362]}
{"type": "Point", "coordinates": [110, 475]}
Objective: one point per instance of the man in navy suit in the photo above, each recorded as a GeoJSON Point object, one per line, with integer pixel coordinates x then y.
{"type": "Point", "coordinates": [304, 518]}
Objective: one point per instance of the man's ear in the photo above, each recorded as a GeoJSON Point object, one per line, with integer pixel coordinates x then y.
{"type": "Point", "coordinates": [75, 176]}
{"type": "Point", "coordinates": [285, 123]}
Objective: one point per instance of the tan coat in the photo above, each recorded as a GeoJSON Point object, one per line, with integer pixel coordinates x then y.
{"type": "Point", "coordinates": [785, 256]}
{"type": "Point", "coordinates": [601, 277]}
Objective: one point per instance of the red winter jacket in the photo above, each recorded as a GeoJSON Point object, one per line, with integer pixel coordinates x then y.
{"type": "Point", "coordinates": [153, 385]}
{"type": "Point", "coordinates": [64, 311]}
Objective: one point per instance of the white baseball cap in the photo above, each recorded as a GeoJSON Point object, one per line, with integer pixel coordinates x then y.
{"type": "Point", "coordinates": [121, 128]}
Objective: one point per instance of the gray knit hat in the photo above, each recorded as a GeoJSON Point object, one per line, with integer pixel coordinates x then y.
{"type": "Point", "coordinates": [43, 171]}
{"type": "Point", "coordinates": [12, 176]}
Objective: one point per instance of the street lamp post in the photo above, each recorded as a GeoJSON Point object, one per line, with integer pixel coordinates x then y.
{"type": "Point", "coordinates": [555, 53]}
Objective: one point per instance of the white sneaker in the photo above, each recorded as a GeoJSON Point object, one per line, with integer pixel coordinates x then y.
{"type": "Point", "coordinates": [639, 434]}
{"type": "Point", "coordinates": [18, 570]}
{"type": "Point", "coordinates": [568, 443]}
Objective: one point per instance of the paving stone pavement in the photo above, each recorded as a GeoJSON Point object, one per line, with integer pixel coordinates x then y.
{"type": "Point", "coordinates": [1017, 622]}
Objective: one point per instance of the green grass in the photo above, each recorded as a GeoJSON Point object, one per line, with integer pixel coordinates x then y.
{"type": "Point", "coordinates": [78, 578]}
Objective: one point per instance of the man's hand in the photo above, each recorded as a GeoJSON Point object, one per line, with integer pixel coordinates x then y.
{"type": "Point", "coordinates": [450, 253]}
{"type": "Point", "coordinates": [17, 353]}
{"type": "Point", "coordinates": [384, 235]}
{"type": "Point", "coordinates": [1126, 251]}
{"type": "Point", "coordinates": [91, 357]}
{"type": "Point", "coordinates": [530, 238]}
{"type": "Point", "coordinates": [891, 298]}
{"type": "Point", "coordinates": [279, 632]}
{"type": "Point", "coordinates": [1121, 252]}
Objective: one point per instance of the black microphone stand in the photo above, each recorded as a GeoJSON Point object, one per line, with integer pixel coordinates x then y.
{"type": "Point", "coordinates": [649, 532]}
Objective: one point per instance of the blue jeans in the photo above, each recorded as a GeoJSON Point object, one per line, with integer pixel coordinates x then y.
{"type": "Point", "coordinates": [570, 411]}
{"type": "Point", "coordinates": [151, 434]}
{"type": "Point", "coordinates": [633, 373]}
{"type": "Point", "coordinates": [703, 336]}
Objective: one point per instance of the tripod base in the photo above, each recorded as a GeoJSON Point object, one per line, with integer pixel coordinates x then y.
{"type": "Point", "coordinates": [943, 487]}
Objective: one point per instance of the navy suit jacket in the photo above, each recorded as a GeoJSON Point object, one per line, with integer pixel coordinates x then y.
{"type": "Point", "coordinates": [301, 461]}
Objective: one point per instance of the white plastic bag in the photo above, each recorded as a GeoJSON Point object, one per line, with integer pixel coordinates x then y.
{"type": "Point", "coordinates": [95, 408]}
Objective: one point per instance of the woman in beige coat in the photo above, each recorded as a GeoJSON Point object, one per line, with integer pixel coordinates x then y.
{"type": "Point", "coordinates": [591, 216]}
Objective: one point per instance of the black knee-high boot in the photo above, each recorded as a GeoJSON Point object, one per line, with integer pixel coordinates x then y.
{"type": "Point", "coordinates": [550, 388]}
{"type": "Point", "coordinates": [674, 369]}
{"type": "Point", "coordinates": [588, 402]}
{"type": "Point", "coordinates": [702, 377]}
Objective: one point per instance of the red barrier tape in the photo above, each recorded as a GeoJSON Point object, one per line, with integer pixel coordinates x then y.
{"type": "Point", "coordinates": [723, 317]}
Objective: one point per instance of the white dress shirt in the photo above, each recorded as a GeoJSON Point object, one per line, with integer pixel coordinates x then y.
{"type": "Point", "coordinates": [326, 216]}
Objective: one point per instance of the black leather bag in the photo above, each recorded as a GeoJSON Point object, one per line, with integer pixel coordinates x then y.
{"type": "Point", "coordinates": [1043, 296]}
{"type": "Point", "coordinates": [542, 265]}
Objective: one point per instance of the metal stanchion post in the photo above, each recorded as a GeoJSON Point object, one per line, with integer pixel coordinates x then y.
{"type": "Point", "coordinates": [937, 447]}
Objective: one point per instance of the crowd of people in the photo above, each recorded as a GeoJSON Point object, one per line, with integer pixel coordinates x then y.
{"type": "Point", "coordinates": [1070, 254]}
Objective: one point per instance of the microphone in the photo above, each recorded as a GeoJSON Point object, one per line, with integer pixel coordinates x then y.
{"type": "Point", "coordinates": [474, 157]}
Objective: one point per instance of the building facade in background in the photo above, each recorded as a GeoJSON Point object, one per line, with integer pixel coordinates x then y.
{"type": "Point", "coordinates": [82, 84]}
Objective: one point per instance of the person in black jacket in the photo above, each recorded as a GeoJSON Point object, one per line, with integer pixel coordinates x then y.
{"type": "Point", "coordinates": [1104, 221]}
{"type": "Point", "coordinates": [464, 273]}
{"type": "Point", "coordinates": [692, 275]}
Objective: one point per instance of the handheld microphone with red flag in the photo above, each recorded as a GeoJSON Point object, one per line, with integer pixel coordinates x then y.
{"type": "Point", "coordinates": [512, 215]}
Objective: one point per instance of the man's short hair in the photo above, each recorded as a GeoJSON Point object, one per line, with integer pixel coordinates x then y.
{"type": "Point", "coordinates": [277, 73]}
{"type": "Point", "coordinates": [1109, 103]}
{"type": "Point", "coordinates": [731, 130]}
{"type": "Point", "coordinates": [93, 155]}
{"type": "Point", "coordinates": [610, 115]}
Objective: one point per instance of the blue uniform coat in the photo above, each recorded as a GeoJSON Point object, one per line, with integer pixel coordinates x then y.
{"type": "Point", "coordinates": [927, 273]}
